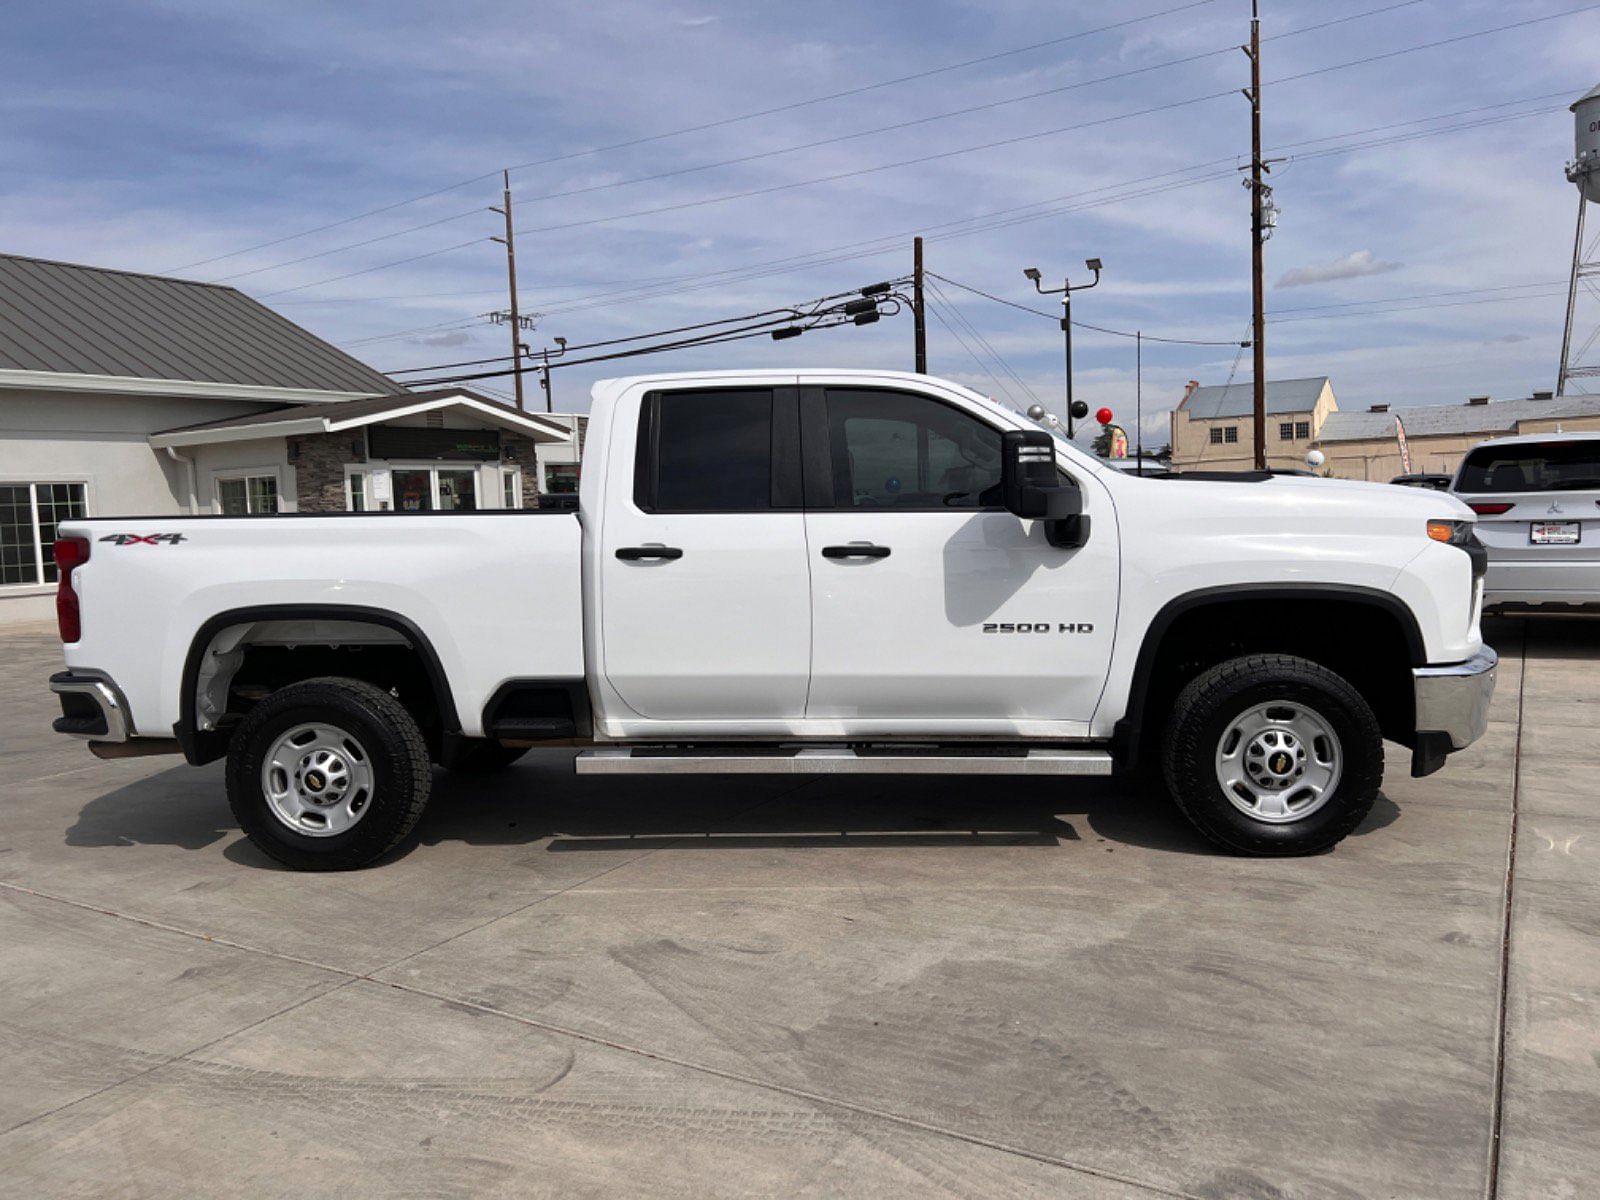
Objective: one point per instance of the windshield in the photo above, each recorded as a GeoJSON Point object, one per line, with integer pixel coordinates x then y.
{"type": "Point", "coordinates": [1532, 467]}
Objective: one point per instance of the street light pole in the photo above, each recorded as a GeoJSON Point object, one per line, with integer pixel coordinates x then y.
{"type": "Point", "coordinates": [1066, 289]}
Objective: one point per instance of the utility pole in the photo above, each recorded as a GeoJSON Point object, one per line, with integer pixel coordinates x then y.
{"type": "Point", "coordinates": [1257, 246]}
{"type": "Point", "coordinates": [918, 322]}
{"type": "Point", "coordinates": [1138, 400]}
{"type": "Point", "coordinates": [510, 243]}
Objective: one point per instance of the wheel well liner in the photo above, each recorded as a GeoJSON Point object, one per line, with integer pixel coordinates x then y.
{"type": "Point", "coordinates": [203, 746]}
{"type": "Point", "coordinates": [1128, 731]}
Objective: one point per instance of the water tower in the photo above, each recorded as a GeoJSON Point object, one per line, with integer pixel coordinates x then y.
{"type": "Point", "coordinates": [1584, 171]}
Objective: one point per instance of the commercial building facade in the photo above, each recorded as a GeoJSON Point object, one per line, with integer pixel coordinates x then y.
{"type": "Point", "coordinates": [1213, 429]}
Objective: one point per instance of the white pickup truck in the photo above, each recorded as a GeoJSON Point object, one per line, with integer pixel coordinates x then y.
{"type": "Point", "coordinates": [831, 572]}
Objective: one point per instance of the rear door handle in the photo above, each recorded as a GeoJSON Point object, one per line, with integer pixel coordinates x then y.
{"type": "Point", "coordinates": [856, 550]}
{"type": "Point", "coordinates": [639, 553]}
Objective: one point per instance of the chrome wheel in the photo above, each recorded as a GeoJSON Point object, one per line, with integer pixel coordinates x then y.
{"type": "Point", "coordinates": [317, 780]}
{"type": "Point", "coordinates": [1279, 762]}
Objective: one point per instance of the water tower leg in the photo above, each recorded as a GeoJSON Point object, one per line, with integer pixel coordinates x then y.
{"type": "Point", "coordinates": [1572, 296]}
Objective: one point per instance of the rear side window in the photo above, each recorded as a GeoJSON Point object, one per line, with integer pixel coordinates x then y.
{"type": "Point", "coordinates": [907, 452]}
{"type": "Point", "coordinates": [706, 451]}
{"type": "Point", "coordinates": [1532, 467]}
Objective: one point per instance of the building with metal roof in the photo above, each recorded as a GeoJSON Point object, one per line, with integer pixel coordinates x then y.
{"type": "Point", "coordinates": [70, 327]}
{"type": "Point", "coordinates": [1212, 427]}
{"type": "Point", "coordinates": [127, 394]}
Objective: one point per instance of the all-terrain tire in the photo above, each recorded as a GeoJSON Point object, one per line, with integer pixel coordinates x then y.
{"type": "Point", "coordinates": [385, 748]}
{"type": "Point", "coordinates": [1207, 713]}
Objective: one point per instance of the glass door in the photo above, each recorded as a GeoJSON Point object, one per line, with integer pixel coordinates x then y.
{"type": "Point", "coordinates": [413, 490]}
{"type": "Point", "coordinates": [458, 490]}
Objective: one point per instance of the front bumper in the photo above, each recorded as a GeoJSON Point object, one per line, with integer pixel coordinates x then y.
{"type": "Point", "coordinates": [1452, 708]}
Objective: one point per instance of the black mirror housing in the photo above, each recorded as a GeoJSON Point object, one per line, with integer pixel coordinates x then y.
{"type": "Point", "coordinates": [1031, 487]}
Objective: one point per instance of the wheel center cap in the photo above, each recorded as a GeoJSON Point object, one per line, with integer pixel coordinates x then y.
{"type": "Point", "coordinates": [314, 781]}
{"type": "Point", "coordinates": [1280, 763]}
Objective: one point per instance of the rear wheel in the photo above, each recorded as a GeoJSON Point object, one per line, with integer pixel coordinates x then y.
{"type": "Point", "coordinates": [328, 775]}
{"type": "Point", "coordinates": [1273, 755]}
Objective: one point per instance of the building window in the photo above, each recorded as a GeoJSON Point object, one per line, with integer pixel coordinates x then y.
{"type": "Point", "coordinates": [356, 491]}
{"type": "Point", "coordinates": [247, 495]}
{"type": "Point", "coordinates": [511, 485]}
{"type": "Point", "coordinates": [1286, 431]}
{"type": "Point", "coordinates": [29, 513]}
{"type": "Point", "coordinates": [1302, 429]}
{"type": "Point", "coordinates": [1216, 435]}
{"type": "Point", "coordinates": [1231, 434]}
{"type": "Point", "coordinates": [561, 479]}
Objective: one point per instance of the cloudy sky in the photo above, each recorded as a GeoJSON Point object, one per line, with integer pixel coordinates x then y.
{"type": "Point", "coordinates": [337, 161]}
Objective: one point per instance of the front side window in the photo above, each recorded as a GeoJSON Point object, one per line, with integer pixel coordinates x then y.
{"type": "Point", "coordinates": [1533, 467]}
{"type": "Point", "coordinates": [908, 452]}
{"type": "Point", "coordinates": [712, 452]}
{"type": "Point", "coordinates": [29, 514]}
{"type": "Point", "coordinates": [247, 495]}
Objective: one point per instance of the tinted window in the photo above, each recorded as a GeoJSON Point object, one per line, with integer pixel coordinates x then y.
{"type": "Point", "coordinates": [896, 450]}
{"type": "Point", "coordinates": [1532, 467]}
{"type": "Point", "coordinates": [713, 451]}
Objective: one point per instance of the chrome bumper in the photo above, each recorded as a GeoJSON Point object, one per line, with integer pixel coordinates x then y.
{"type": "Point", "coordinates": [91, 708]}
{"type": "Point", "coordinates": [1452, 705]}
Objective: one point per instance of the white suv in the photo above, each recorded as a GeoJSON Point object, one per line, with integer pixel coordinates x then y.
{"type": "Point", "coordinates": [1538, 505]}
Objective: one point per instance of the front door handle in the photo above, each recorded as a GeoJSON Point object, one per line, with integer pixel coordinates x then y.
{"type": "Point", "coordinates": [856, 550]}
{"type": "Point", "coordinates": [639, 553]}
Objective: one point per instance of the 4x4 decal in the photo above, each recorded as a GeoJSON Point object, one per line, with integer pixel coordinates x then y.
{"type": "Point", "coordinates": [144, 539]}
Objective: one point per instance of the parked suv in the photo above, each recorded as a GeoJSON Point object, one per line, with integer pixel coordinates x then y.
{"type": "Point", "coordinates": [1538, 505]}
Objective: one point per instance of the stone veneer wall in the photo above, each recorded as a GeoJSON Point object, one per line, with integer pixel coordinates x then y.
{"type": "Point", "coordinates": [519, 451]}
{"type": "Point", "coordinates": [319, 460]}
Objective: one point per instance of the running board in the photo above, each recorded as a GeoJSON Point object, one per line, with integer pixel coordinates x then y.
{"type": "Point", "coordinates": [842, 761]}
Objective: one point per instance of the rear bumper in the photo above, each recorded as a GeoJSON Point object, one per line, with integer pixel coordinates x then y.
{"type": "Point", "coordinates": [92, 708]}
{"type": "Point", "coordinates": [1452, 708]}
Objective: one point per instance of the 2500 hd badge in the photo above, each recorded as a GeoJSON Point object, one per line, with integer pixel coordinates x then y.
{"type": "Point", "coordinates": [1038, 627]}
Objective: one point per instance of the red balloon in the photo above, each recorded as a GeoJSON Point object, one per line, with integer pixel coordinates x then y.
{"type": "Point", "coordinates": [1103, 416]}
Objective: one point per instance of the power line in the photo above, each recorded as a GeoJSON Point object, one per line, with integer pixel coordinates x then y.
{"type": "Point", "coordinates": [702, 127]}
{"type": "Point", "coordinates": [767, 317]}
{"type": "Point", "coordinates": [995, 144]}
{"type": "Point", "coordinates": [1149, 337]}
{"type": "Point", "coordinates": [982, 341]}
{"type": "Point", "coordinates": [1001, 218]}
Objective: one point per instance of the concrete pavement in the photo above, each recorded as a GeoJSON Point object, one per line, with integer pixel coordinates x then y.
{"type": "Point", "coordinates": [745, 986]}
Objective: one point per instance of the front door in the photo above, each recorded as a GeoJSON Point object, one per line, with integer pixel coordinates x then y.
{"type": "Point", "coordinates": [705, 593]}
{"type": "Point", "coordinates": [930, 602]}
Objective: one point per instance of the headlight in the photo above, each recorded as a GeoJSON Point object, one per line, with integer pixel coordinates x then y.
{"type": "Point", "coordinates": [1453, 533]}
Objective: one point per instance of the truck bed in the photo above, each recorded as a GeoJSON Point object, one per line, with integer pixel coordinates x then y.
{"type": "Point", "coordinates": [497, 594]}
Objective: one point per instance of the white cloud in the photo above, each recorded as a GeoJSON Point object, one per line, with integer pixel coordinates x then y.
{"type": "Point", "coordinates": [1351, 266]}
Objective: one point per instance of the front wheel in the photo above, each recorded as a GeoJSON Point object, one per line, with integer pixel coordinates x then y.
{"type": "Point", "coordinates": [328, 775]}
{"type": "Point", "coordinates": [1273, 755]}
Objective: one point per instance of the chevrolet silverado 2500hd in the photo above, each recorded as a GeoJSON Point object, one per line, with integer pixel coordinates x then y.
{"type": "Point", "coordinates": [799, 572]}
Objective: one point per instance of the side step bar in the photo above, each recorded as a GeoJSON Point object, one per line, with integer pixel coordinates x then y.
{"type": "Point", "coordinates": [841, 761]}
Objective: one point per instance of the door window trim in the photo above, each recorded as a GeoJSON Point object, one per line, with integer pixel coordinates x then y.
{"type": "Point", "coordinates": [785, 493]}
{"type": "Point", "coordinates": [817, 450]}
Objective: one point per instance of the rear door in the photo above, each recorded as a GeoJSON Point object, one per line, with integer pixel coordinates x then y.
{"type": "Point", "coordinates": [705, 585]}
{"type": "Point", "coordinates": [1538, 505]}
{"type": "Point", "coordinates": [930, 602]}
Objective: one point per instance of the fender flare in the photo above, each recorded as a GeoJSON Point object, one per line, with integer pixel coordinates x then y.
{"type": "Point", "coordinates": [205, 745]}
{"type": "Point", "coordinates": [1126, 734]}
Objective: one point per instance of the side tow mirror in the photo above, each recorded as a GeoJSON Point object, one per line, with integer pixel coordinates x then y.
{"type": "Point", "coordinates": [1031, 487]}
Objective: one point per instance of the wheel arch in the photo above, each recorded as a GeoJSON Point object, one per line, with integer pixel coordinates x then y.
{"type": "Point", "coordinates": [1232, 605]}
{"type": "Point", "coordinates": [205, 745]}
